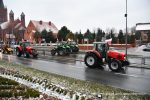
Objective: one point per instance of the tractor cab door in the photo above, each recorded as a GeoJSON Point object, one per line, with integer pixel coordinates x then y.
{"type": "Point", "coordinates": [102, 48]}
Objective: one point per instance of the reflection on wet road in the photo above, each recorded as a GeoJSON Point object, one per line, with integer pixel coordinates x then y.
{"type": "Point", "coordinates": [136, 79]}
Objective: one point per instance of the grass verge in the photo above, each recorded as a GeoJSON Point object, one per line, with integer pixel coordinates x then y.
{"type": "Point", "coordinates": [85, 87]}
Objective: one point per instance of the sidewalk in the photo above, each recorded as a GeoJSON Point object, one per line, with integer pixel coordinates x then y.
{"type": "Point", "coordinates": [140, 66]}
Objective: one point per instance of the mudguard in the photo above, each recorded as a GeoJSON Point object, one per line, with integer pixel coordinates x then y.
{"type": "Point", "coordinates": [19, 48]}
{"type": "Point", "coordinates": [95, 52]}
{"type": "Point", "coordinates": [29, 49]}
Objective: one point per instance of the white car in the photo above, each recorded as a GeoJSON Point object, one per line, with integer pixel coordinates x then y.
{"type": "Point", "coordinates": [147, 47]}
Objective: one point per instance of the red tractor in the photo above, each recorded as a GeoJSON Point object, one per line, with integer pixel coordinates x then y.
{"type": "Point", "coordinates": [101, 55]}
{"type": "Point", "coordinates": [26, 50]}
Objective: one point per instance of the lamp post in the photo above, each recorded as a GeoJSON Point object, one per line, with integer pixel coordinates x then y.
{"type": "Point", "coordinates": [126, 28]}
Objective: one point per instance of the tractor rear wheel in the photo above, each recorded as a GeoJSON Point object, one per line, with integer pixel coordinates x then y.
{"type": "Point", "coordinates": [115, 65]}
{"type": "Point", "coordinates": [18, 52]}
{"type": "Point", "coordinates": [91, 60]}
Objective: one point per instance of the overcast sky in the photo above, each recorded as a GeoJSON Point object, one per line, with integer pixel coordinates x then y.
{"type": "Point", "coordinates": [82, 14]}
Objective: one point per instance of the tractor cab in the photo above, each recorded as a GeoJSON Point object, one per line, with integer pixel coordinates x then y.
{"type": "Point", "coordinates": [101, 47]}
{"type": "Point", "coordinates": [24, 45]}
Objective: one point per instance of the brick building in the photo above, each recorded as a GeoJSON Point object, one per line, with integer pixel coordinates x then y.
{"type": "Point", "coordinates": [12, 30]}
{"type": "Point", "coordinates": [3, 12]}
{"type": "Point", "coordinates": [39, 26]}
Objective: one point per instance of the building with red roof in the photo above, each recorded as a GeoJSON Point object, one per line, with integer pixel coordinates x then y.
{"type": "Point", "coordinates": [39, 26]}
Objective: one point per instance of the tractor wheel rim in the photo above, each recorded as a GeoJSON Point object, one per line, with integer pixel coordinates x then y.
{"type": "Point", "coordinates": [90, 61]}
{"type": "Point", "coordinates": [114, 65]}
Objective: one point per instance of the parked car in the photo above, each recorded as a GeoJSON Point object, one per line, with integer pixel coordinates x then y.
{"type": "Point", "coordinates": [147, 47]}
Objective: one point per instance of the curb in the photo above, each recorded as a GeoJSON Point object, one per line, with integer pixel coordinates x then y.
{"type": "Point", "coordinates": [140, 66]}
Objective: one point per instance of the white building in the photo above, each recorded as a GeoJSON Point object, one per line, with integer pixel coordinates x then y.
{"type": "Point", "coordinates": [144, 29]}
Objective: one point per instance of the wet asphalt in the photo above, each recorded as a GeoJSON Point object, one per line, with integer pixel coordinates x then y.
{"type": "Point", "coordinates": [130, 78]}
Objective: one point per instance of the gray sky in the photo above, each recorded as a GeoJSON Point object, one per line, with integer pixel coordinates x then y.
{"type": "Point", "coordinates": [82, 14]}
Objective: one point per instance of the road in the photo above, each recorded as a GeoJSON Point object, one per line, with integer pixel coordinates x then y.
{"type": "Point", "coordinates": [135, 79]}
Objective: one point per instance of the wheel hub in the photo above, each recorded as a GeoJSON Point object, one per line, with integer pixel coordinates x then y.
{"type": "Point", "coordinates": [90, 61]}
{"type": "Point", "coordinates": [114, 65]}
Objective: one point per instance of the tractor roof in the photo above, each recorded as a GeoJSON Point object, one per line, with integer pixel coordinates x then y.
{"type": "Point", "coordinates": [99, 42]}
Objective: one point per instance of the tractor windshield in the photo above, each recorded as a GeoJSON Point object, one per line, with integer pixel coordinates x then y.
{"type": "Point", "coordinates": [25, 44]}
{"type": "Point", "coordinates": [101, 47]}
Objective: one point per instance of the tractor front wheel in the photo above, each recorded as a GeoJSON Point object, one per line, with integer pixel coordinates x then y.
{"type": "Point", "coordinates": [26, 55]}
{"type": "Point", "coordinates": [91, 60]}
{"type": "Point", "coordinates": [53, 52]}
{"type": "Point", "coordinates": [115, 65]}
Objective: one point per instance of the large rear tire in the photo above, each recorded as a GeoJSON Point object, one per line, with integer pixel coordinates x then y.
{"type": "Point", "coordinates": [18, 52]}
{"type": "Point", "coordinates": [115, 65]}
{"type": "Point", "coordinates": [91, 60]}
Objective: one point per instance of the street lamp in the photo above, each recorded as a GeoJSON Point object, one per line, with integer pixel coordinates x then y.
{"type": "Point", "coordinates": [126, 28]}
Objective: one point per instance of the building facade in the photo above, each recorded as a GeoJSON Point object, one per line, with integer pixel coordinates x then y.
{"type": "Point", "coordinates": [144, 30]}
{"type": "Point", "coordinates": [13, 29]}
{"type": "Point", "coordinates": [39, 26]}
{"type": "Point", "coordinates": [3, 12]}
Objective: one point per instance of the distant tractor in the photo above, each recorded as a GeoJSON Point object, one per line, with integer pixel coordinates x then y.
{"type": "Point", "coordinates": [61, 49]}
{"type": "Point", "coordinates": [73, 46]}
{"type": "Point", "coordinates": [102, 55]}
{"type": "Point", "coordinates": [24, 49]}
{"type": "Point", "coordinates": [6, 49]}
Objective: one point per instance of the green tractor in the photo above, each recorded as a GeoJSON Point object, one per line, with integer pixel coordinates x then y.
{"type": "Point", "coordinates": [61, 49]}
{"type": "Point", "coordinates": [73, 46]}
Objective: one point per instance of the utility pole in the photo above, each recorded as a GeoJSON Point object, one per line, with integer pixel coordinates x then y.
{"type": "Point", "coordinates": [126, 28]}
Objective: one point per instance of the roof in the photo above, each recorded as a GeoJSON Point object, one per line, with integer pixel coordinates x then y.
{"type": "Point", "coordinates": [99, 42]}
{"type": "Point", "coordinates": [22, 14]}
{"type": "Point", "coordinates": [5, 25]}
{"type": "Point", "coordinates": [142, 26]}
{"type": "Point", "coordinates": [11, 12]}
{"type": "Point", "coordinates": [1, 4]}
{"type": "Point", "coordinates": [45, 26]}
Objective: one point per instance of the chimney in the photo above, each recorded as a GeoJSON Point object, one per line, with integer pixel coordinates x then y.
{"type": "Point", "coordinates": [50, 23]}
{"type": "Point", "coordinates": [40, 22]}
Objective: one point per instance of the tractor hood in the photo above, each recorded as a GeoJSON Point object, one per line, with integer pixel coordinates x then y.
{"type": "Point", "coordinates": [116, 54]}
